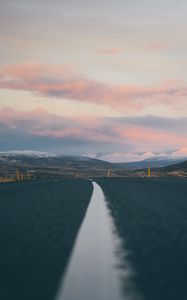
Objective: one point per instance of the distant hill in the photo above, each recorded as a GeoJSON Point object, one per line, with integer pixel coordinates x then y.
{"type": "Point", "coordinates": [178, 169]}
{"type": "Point", "coordinates": [154, 163]}
{"type": "Point", "coordinates": [44, 165]}
{"type": "Point", "coordinates": [52, 165]}
{"type": "Point", "coordinates": [182, 166]}
{"type": "Point", "coordinates": [60, 161]}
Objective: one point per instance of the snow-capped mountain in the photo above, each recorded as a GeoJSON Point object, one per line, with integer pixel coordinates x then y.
{"type": "Point", "coordinates": [27, 153]}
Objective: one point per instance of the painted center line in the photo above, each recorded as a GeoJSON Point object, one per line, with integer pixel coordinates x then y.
{"type": "Point", "coordinates": [94, 271]}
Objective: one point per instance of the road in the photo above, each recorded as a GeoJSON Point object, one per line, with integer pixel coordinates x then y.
{"type": "Point", "coordinates": [93, 272]}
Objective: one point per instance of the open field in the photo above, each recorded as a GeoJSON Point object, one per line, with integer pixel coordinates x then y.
{"type": "Point", "coordinates": [4, 179]}
{"type": "Point", "coordinates": [69, 167]}
{"type": "Point", "coordinates": [39, 221]}
{"type": "Point", "coordinates": [151, 217]}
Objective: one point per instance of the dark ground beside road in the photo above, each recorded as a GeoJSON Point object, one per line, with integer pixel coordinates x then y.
{"type": "Point", "coordinates": [39, 221]}
{"type": "Point", "coordinates": [151, 218]}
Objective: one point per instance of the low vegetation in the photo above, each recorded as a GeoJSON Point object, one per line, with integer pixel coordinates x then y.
{"type": "Point", "coordinates": [60, 167]}
{"type": "Point", "coordinates": [39, 221]}
{"type": "Point", "coordinates": [151, 218]}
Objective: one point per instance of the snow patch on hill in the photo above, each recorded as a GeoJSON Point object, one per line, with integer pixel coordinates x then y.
{"type": "Point", "coordinates": [27, 153]}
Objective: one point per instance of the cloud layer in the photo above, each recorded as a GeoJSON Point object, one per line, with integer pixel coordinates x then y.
{"type": "Point", "coordinates": [121, 135]}
{"type": "Point", "coordinates": [63, 83]}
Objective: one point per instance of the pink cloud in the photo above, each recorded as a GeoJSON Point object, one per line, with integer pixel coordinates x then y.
{"type": "Point", "coordinates": [34, 71]}
{"type": "Point", "coordinates": [131, 135]}
{"type": "Point", "coordinates": [40, 123]}
{"type": "Point", "coordinates": [157, 46]}
{"type": "Point", "coordinates": [63, 83]}
{"type": "Point", "coordinates": [152, 138]}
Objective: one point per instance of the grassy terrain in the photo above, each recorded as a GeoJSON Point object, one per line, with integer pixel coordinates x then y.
{"type": "Point", "coordinates": [151, 218]}
{"type": "Point", "coordinates": [60, 167]}
{"type": "Point", "coordinates": [39, 222]}
{"type": "Point", "coordinates": [53, 167]}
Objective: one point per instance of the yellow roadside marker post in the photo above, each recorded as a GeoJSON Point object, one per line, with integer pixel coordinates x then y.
{"type": "Point", "coordinates": [108, 173]}
{"type": "Point", "coordinates": [149, 171]}
{"type": "Point", "coordinates": [17, 175]}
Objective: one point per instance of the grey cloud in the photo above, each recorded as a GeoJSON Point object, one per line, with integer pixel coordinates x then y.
{"type": "Point", "coordinates": [17, 139]}
{"type": "Point", "coordinates": [44, 131]}
{"type": "Point", "coordinates": [177, 125]}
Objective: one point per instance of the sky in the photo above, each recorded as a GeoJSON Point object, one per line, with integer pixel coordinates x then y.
{"type": "Point", "coordinates": [103, 78]}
